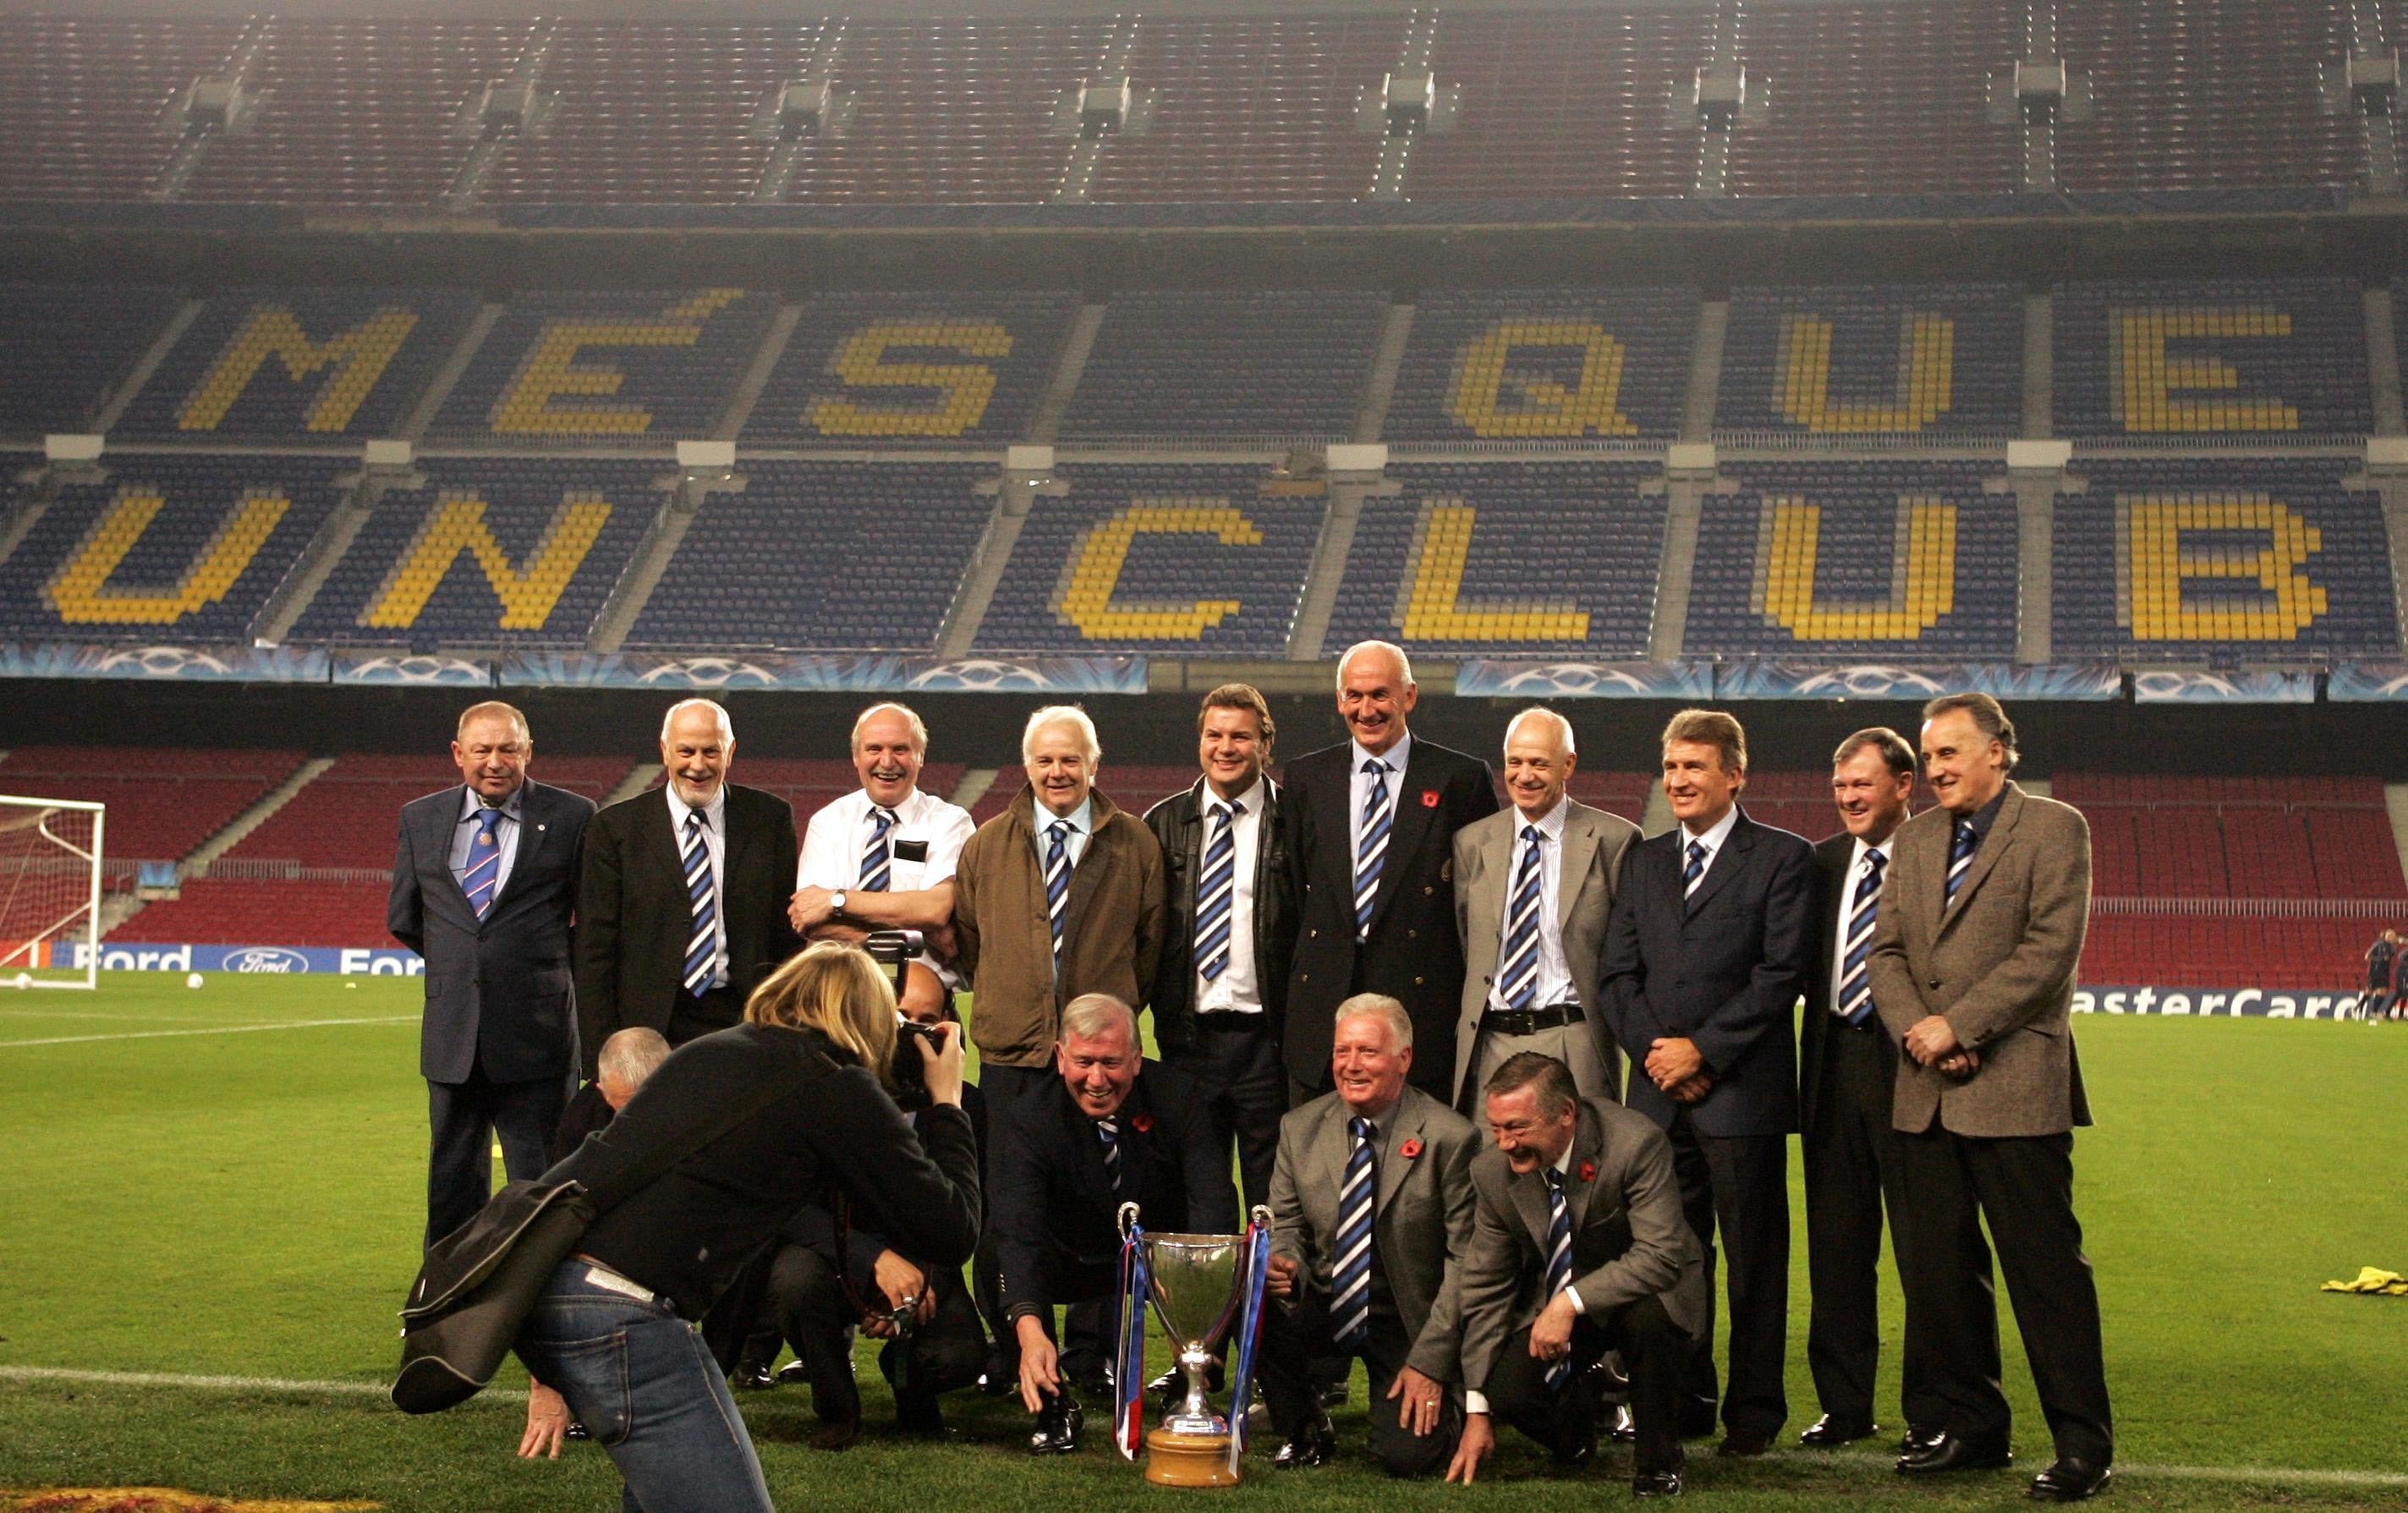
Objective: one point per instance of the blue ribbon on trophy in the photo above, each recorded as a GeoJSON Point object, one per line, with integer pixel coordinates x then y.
{"type": "Point", "coordinates": [1128, 1359]}
{"type": "Point", "coordinates": [1208, 1291]}
{"type": "Point", "coordinates": [1250, 1329]}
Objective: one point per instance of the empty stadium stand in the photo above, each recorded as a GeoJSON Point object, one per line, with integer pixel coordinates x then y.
{"type": "Point", "coordinates": [912, 370]}
{"type": "Point", "coordinates": [163, 802]}
{"type": "Point", "coordinates": [1845, 360]}
{"type": "Point", "coordinates": [833, 556]}
{"type": "Point", "coordinates": [1525, 558]}
{"type": "Point", "coordinates": [2160, 836]}
{"type": "Point", "coordinates": [1284, 364]}
{"type": "Point", "coordinates": [1202, 559]}
{"type": "Point", "coordinates": [591, 366]}
{"type": "Point", "coordinates": [62, 349]}
{"type": "Point", "coordinates": [2244, 559]}
{"type": "Point", "coordinates": [1893, 559]}
{"type": "Point", "coordinates": [295, 364]}
{"type": "Point", "coordinates": [2212, 358]}
{"type": "Point", "coordinates": [1531, 364]}
{"type": "Point", "coordinates": [85, 101]}
{"type": "Point", "coordinates": [179, 548]}
{"type": "Point", "coordinates": [505, 551]}
{"type": "Point", "coordinates": [1616, 793]}
{"type": "Point", "coordinates": [349, 814]}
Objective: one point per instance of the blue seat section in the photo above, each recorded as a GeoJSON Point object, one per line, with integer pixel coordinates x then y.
{"type": "Point", "coordinates": [295, 365]}
{"type": "Point", "coordinates": [829, 556]}
{"type": "Point", "coordinates": [177, 549]}
{"type": "Point", "coordinates": [1505, 559]}
{"type": "Point", "coordinates": [1887, 559]}
{"type": "Point", "coordinates": [489, 551]}
{"type": "Point", "coordinates": [2226, 560]}
{"type": "Point", "coordinates": [61, 347]}
{"type": "Point", "coordinates": [2168, 360]}
{"type": "Point", "coordinates": [1874, 359]}
{"type": "Point", "coordinates": [920, 369]}
{"type": "Point", "coordinates": [1517, 364]}
{"type": "Point", "coordinates": [1228, 364]}
{"type": "Point", "coordinates": [1157, 557]}
{"type": "Point", "coordinates": [586, 366]}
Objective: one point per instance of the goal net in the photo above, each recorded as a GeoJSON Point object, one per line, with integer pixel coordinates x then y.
{"type": "Point", "coordinates": [50, 892]}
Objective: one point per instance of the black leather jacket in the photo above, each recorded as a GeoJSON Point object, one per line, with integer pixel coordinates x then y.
{"type": "Point", "coordinates": [1178, 823]}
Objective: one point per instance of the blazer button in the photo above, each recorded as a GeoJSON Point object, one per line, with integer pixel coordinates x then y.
{"type": "Point", "coordinates": [1417, 982]}
{"type": "Point", "coordinates": [1313, 933]}
{"type": "Point", "coordinates": [1304, 976]}
{"type": "Point", "coordinates": [1935, 984]}
{"type": "Point", "coordinates": [1426, 892]}
{"type": "Point", "coordinates": [1412, 934]}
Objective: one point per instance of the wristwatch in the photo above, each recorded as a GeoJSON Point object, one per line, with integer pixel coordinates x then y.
{"type": "Point", "coordinates": [836, 903]}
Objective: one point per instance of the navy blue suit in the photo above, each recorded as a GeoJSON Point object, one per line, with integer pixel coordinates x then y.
{"type": "Point", "coordinates": [499, 1040]}
{"type": "Point", "coordinates": [1723, 969]}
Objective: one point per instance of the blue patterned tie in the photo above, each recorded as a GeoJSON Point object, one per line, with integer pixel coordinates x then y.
{"type": "Point", "coordinates": [1058, 884]}
{"type": "Point", "coordinates": [1960, 859]}
{"type": "Point", "coordinates": [1559, 1263]}
{"type": "Point", "coordinates": [1373, 849]}
{"type": "Point", "coordinates": [702, 946]}
{"type": "Point", "coordinates": [484, 861]}
{"type": "Point", "coordinates": [1108, 1129]}
{"type": "Point", "coordinates": [1519, 981]}
{"type": "Point", "coordinates": [1350, 1303]}
{"type": "Point", "coordinates": [1695, 869]}
{"type": "Point", "coordinates": [874, 861]}
{"type": "Point", "coordinates": [1215, 894]}
{"type": "Point", "coordinates": [1855, 1002]}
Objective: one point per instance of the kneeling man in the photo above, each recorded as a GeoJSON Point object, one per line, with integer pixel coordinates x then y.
{"type": "Point", "coordinates": [1578, 1246]}
{"type": "Point", "coordinates": [1371, 1213]}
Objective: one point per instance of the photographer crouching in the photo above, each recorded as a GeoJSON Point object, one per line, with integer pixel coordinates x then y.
{"type": "Point", "coordinates": [685, 1194]}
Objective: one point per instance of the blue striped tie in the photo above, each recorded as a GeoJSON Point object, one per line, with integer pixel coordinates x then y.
{"type": "Point", "coordinates": [1058, 884]}
{"type": "Point", "coordinates": [1215, 894]}
{"type": "Point", "coordinates": [702, 946]}
{"type": "Point", "coordinates": [1519, 982]}
{"type": "Point", "coordinates": [1373, 849]}
{"type": "Point", "coordinates": [1855, 1003]}
{"type": "Point", "coordinates": [1559, 1261]}
{"type": "Point", "coordinates": [1960, 859]}
{"type": "Point", "coordinates": [1695, 869]}
{"type": "Point", "coordinates": [484, 861]}
{"type": "Point", "coordinates": [1108, 1129]}
{"type": "Point", "coordinates": [874, 861]}
{"type": "Point", "coordinates": [1350, 1303]}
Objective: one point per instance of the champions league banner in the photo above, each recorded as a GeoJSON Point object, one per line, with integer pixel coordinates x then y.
{"type": "Point", "coordinates": [417, 671]}
{"type": "Point", "coordinates": [216, 663]}
{"type": "Point", "coordinates": [2366, 682]}
{"type": "Point", "coordinates": [2172, 686]}
{"type": "Point", "coordinates": [2082, 682]}
{"type": "Point", "coordinates": [1585, 679]}
{"type": "Point", "coordinates": [820, 674]}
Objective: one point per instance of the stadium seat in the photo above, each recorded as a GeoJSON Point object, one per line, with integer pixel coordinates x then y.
{"type": "Point", "coordinates": [912, 370]}
{"type": "Point", "coordinates": [62, 348]}
{"type": "Point", "coordinates": [1284, 364]}
{"type": "Point", "coordinates": [1837, 360]}
{"type": "Point", "coordinates": [2199, 359]}
{"type": "Point", "coordinates": [1543, 364]}
{"type": "Point", "coordinates": [595, 366]}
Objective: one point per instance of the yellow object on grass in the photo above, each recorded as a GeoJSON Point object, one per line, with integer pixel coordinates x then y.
{"type": "Point", "coordinates": [2372, 1280]}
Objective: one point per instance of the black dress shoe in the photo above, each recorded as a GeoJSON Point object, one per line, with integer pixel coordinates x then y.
{"type": "Point", "coordinates": [1742, 1443]}
{"type": "Point", "coordinates": [1621, 1427]}
{"type": "Point", "coordinates": [2070, 1480]}
{"type": "Point", "coordinates": [1058, 1426]}
{"type": "Point", "coordinates": [1919, 1440]}
{"type": "Point", "coordinates": [577, 1430]}
{"type": "Point", "coordinates": [1827, 1432]}
{"type": "Point", "coordinates": [752, 1376]}
{"type": "Point", "coordinates": [1575, 1453]}
{"type": "Point", "coordinates": [793, 1374]}
{"type": "Point", "coordinates": [1311, 1446]}
{"type": "Point", "coordinates": [920, 1416]}
{"type": "Point", "coordinates": [1954, 1454]}
{"type": "Point", "coordinates": [1656, 1484]}
{"type": "Point", "coordinates": [1001, 1377]}
{"type": "Point", "coordinates": [836, 1434]}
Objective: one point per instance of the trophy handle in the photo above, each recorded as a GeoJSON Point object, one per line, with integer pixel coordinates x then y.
{"type": "Point", "coordinates": [1127, 1219]}
{"type": "Point", "coordinates": [1261, 1216]}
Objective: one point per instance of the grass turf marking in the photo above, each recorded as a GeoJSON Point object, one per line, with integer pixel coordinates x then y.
{"type": "Point", "coordinates": [220, 1029]}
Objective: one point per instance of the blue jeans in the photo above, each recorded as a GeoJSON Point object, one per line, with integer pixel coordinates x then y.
{"type": "Point", "coordinates": [642, 1381]}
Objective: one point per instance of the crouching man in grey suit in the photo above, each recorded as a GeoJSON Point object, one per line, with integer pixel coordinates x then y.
{"type": "Point", "coordinates": [1371, 1213]}
{"type": "Point", "coordinates": [1579, 1245]}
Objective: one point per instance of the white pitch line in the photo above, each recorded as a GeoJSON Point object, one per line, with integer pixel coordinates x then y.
{"type": "Point", "coordinates": [226, 1029]}
{"type": "Point", "coordinates": [222, 1384]}
{"type": "Point", "coordinates": [2285, 1475]}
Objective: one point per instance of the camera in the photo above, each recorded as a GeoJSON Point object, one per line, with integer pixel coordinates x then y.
{"type": "Point", "coordinates": [897, 949]}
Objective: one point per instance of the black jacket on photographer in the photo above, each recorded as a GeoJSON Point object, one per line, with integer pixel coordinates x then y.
{"type": "Point", "coordinates": [1178, 824]}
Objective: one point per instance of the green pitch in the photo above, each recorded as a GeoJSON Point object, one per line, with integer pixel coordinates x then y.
{"type": "Point", "coordinates": [228, 1182]}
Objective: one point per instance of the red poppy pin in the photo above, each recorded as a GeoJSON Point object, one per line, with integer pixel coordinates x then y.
{"type": "Point", "coordinates": [1410, 1149]}
{"type": "Point", "coordinates": [1429, 798]}
{"type": "Point", "coordinates": [1588, 1171]}
{"type": "Point", "coordinates": [1142, 1123]}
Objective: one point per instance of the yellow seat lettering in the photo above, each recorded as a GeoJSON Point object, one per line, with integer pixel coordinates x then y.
{"type": "Point", "coordinates": [1539, 406]}
{"type": "Point", "coordinates": [1092, 577]}
{"type": "Point", "coordinates": [550, 371]}
{"type": "Point", "coordinates": [79, 591]}
{"type": "Point", "coordinates": [2146, 385]}
{"type": "Point", "coordinates": [1926, 386]}
{"type": "Point", "coordinates": [1923, 574]}
{"type": "Point", "coordinates": [2152, 566]}
{"type": "Point", "coordinates": [1431, 604]}
{"type": "Point", "coordinates": [354, 359]}
{"type": "Point", "coordinates": [964, 389]}
{"type": "Point", "coordinates": [457, 524]}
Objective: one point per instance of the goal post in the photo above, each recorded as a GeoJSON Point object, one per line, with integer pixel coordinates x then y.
{"type": "Point", "coordinates": [50, 891]}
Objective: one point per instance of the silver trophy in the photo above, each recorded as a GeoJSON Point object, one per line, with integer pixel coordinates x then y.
{"type": "Point", "coordinates": [1198, 1284]}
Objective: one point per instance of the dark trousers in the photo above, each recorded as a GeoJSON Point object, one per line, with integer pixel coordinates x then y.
{"type": "Point", "coordinates": [815, 1315]}
{"type": "Point", "coordinates": [1653, 1350]}
{"type": "Point", "coordinates": [691, 1017]}
{"type": "Point", "coordinates": [2024, 1186]}
{"type": "Point", "coordinates": [1739, 1186]}
{"type": "Point", "coordinates": [463, 1118]}
{"type": "Point", "coordinates": [1090, 1293]}
{"type": "Point", "coordinates": [1236, 1059]}
{"type": "Point", "coordinates": [1852, 1170]}
{"type": "Point", "coordinates": [1298, 1356]}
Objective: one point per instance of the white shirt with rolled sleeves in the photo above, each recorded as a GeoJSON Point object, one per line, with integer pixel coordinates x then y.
{"type": "Point", "coordinates": [839, 834]}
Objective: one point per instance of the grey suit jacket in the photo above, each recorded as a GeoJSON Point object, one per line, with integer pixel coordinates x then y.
{"type": "Point", "coordinates": [1594, 843]}
{"type": "Point", "coordinates": [1421, 1214]}
{"type": "Point", "coordinates": [1630, 1239]}
{"type": "Point", "coordinates": [1999, 965]}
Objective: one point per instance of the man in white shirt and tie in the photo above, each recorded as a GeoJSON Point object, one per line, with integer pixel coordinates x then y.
{"type": "Point", "coordinates": [883, 857]}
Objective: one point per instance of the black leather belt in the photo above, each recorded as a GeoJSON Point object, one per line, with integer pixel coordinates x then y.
{"type": "Point", "coordinates": [1530, 1020]}
{"type": "Point", "coordinates": [1229, 1019]}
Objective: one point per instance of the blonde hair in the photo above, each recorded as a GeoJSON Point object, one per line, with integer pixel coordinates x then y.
{"type": "Point", "coordinates": [837, 990]}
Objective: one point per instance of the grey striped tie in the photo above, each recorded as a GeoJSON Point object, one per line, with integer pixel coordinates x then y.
{"type": "Point", "coordinates": [1215, 893]}
{"type": "Point", "coordinates": [1518, 983]}
{"type": "Point", "coordinates": [1855, 997]}
{"type": "Point", "coordinates": [1372, 850]}
{"type": "Point", "coordinates": [702, 943]}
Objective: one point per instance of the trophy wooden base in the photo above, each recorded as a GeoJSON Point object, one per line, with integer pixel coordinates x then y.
{"type": "Point", "coordinates": [1187, 1459]}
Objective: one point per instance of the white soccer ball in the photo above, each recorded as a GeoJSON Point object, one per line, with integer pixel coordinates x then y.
{"type": "Point", "coordinates": [24, 979]}
{"type": "Point", "coordinates": [192, 980]}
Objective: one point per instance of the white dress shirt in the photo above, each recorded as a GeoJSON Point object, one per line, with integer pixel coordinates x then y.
{"type": "Point", "coordinates": [1554, 985]}
{"type": "Point", "coordinates": [1082, 826]}
{"type": "Point", "coordinates": [839, 835]}
{"type": "Point", "coordinates": [505, 835]}
{"type": "Point", "coordinates": [1237, 992]}
{"type": "Point", "coordinates": [1854, 877]}
{"type": "Point", "coordinates": [714, 840]}
{"type": "Point", "coordinates": [1712, 841]}
{"type": "Point", "coordinates": [1358, 789]}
